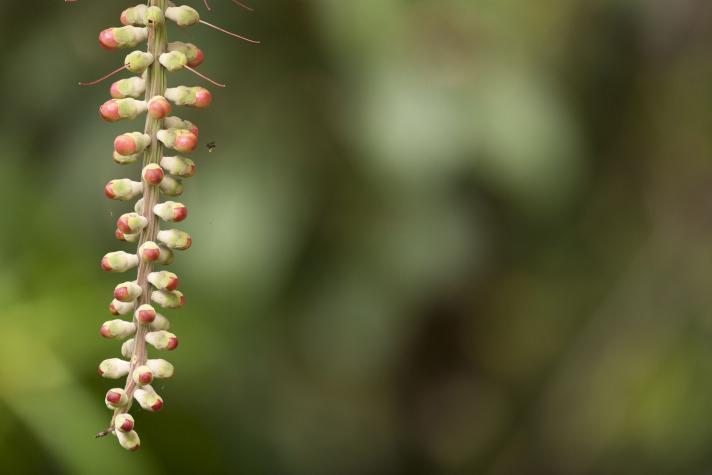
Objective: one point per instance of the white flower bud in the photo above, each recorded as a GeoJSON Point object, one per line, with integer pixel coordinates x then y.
{"type": "Point", "coordinates": [127, 348]}
{"type": "Point", "coordinates": [142, 375]}
{"type": "Point", "coordinates": [148, 399]}
{"type": "Point", "coordinates": [115, 398]}
{"type": "Point", "coordinates": [124, 422]}
{"type": "Point", "coordinates": [117, 307]}
{"type": "Point", "coordinates": [168, 299]}
{"type": "Point", "coordinates": [129, 440]}
{"type": "Point", "coordinates": [127, 291]}
{"type": "Point", "coordinates": [162, 340]}
{"type": "Point", "coordinates": [114, 368]}
{"type": "Point", "coordinates": [117, 329]}
{"type": "Point", "coordinates": [163, 280]}
{"type": "Point", "coordinates": [161, 368]}
{"type": "Point", "coordinates": [175, 239]}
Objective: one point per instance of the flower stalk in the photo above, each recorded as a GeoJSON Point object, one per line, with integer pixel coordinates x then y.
{"type": "Point", "coordinates": [161, 174]}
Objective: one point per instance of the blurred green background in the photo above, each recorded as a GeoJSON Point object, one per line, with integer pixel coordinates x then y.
{"type": "Point", "coordinates": [435, 237]}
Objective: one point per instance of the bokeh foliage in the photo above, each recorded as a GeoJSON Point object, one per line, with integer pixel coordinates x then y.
{"type": "Point", "coordinates": [436, 236]}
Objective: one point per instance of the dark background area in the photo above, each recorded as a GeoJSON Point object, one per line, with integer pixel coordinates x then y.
{"type": "Point", "coordinates": [435, 237]}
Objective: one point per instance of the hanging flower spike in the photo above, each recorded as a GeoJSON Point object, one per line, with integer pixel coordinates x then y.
{"type": "Point", "coordinates": [161, 175]}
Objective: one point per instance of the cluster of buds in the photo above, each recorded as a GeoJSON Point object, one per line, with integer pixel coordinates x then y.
{"type": "Point", "coordinates": [161, 174]}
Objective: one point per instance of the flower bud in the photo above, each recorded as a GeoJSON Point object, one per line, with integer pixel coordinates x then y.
{"type": "Point", "coordinates": [138, 61]}
{"type": "Point", "coordinates": [114, 368]}
{"type": "Point", "coordinates": [182, 140]}
{"type": "Point", "coordinates": [163, 280]}
{"type": "Point", "coordinates": [178, 123]}
{"type": "Point", "coordinates": [123, 189]}
{"type": "Point", "coordinates": [117, 329]}
{"type": "Point", "coordinates": [118, 109]}
{"type": "Point", "coordinates": [145, 313]}
{"type": "Point", "coordinates": [116, 398]}
{"type": "Point", "coordinates": [173, 60]}
{"type": "Point", "coordinates": [129, 440]}
{"type": "Point", "coordinates": [159, 107]}
{"type": "Point", "coordinates": [142, 15]}
{"type": "Point", "coordinates": [168, 298]}
{"type": "Point", "coordinates": [151, 252]}
{"type": "Point", "coordinates": [189, 96]}
{"type": "Point", "coordinates": [148, 399]}
{"type": "Point", "coordinates": [171, 211]}
{"type": "Point", "coordinates": [161, 369]}
{"type": "Point", "coordinates": [131, 223]}
{"type": "Point", "coordinates": [160, 323]}
{"type": "Point", "coordinates": [192, 53]}
{"type": "Point", "coordinates": [162, 340]}
{"type": "Point", "coordinates": [127, 348]}
{"type": "Point", "coordinates": [171, 186]}
{"type": "Point", "coordinates": [121, 236]}
{"type": "Point", "coordinates": [127, 292]}
{"type": "Point", "coordinates": [152, 174]}
{"type": "Point", "coordinates": [119, 261]}
{"type": "Point", "coordinates": [138, 206]}
{"type": "Point", "coordinates": [117, 307]}
{"type": "Point", "coordinates": [124, 422]}
{"type": "Point", "coordinates": [175, 239]}
{"type": "Point", "coordinates": [131, 143]}
{"type": "Point", "coordinates": [179, 166]}
{"type": "Point", "coordinates": [183, 15]}
{"type": "Point", "coordinates": [130, 87]}
{"type": "Point", "coordinates": [142, 375]}
{"type": "Point", "coordinates": [125, 159]}
{"type": "Point", "coordinates": [123, 37]}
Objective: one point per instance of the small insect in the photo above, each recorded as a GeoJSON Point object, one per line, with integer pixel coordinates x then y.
{"type": "Point", "coordinates": [210, 146]}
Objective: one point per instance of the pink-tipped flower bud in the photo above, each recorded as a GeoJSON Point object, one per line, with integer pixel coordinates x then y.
{"type": "Point", "coordinates": [171, 186]}
{"type": "Point", "coordinates": [119, 109]}
{"type": "Point", "coordinates": [127, 348]}
{"type": "Point", "coordinates": [178, 166]}
{"type": "Point", "coordinates": [117, 307]}
{"type": "Point", "coordinates": [161, 369]}
{"type": "Point", "coordinates": [116, 398]}
{"type": "Point", "coordinates": [142, 15]}
{"type": "Point", "coordinates": [183, 15]}
{"type": "Point", "coordinates": [122, 236]}
{"type": "Point", "coordinates": [131, 143]}
{"type": "Point", "coordinates": [152, 174]}
{"type": "Point", "coordinates": [114, 368]}
{"type": "Point", "coordinates": [145, 313]}
{"type": "Point", "coordinates": [148, 399]}
{"type": "Point", "coordinates": [117, 329]}
{"type": "Point", "coordinates": [168, 299]}
{"type": "Point", "coordinates": [159, 107]}
{"type": "Point", "coordinates": [175, 239]}
{"type": "Point", "coordinates": [124, 422]}
{"type": "Point", "coordinates": [127, 292]}
{"type": "Point", "coordinates": [173, 60]}
{"type": "Point", "coordinates": [189, 96]}
{"type": "Point", "coordinates": [160, 323]}
{"type": "Point", "coordinates": [163, 280]}
{"type": "Point", "coordinates": [123, 37]}
{"type": "Point", "coordinates": [125, 159]}
{"type": "Point", "coordinates": [142, 375]}
{"type": "Point", "coordinates": [129, 440]}
{"type": "Point", "coordinates": [149, 251]}
{"type": "Point", "coordinates": [131, 223]}
{"type": "Point", "coordinates": [162, 340]}
{"type": "Point", "coordinates": [181, 140]}
{"type": "Point", "coordinates": [119, 261]}
{"type": "Point", "coordinates": [130, 87]}
{"type": "Point", "coordinates": [123, 189]}
{"type": "Point", "coordinates": [178, 123]}
{"type": "Point", "coordinates": [171, 211]}
{"type": "Point", "coordinates": [193, 53]}
{"type": "Point", "coordinates": [138, 61]}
